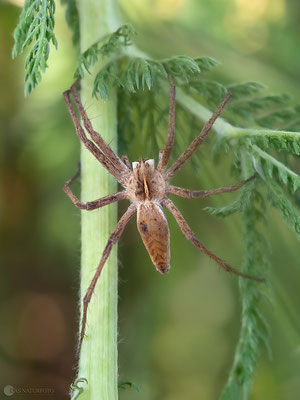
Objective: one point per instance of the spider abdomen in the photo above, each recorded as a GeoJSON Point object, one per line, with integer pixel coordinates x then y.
{"type": "Point", "coordinates": [154, 230]}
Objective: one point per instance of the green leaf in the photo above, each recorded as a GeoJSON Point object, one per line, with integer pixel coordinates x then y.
{"type": "Point", "coordinates": [254, 329]}
{"type": "Point", "coordinates": [101, 85]}
{"type": "Point", "coordinates": [242, 90]}
{"type": "Point", "coordinates": [141, 73]}
{"type": "Point", "coordinates": [268, 167]}
{"type": "Point", "coordinates": [105, 47]}
{"type": "Point", "coordinates": [279, 200]}
{"type": "Point", "coordinates": [36, 25]}
{"type": "Point", "coordinates": [211, 91]}
{"type": "Point", "coordinates": [206, 64]}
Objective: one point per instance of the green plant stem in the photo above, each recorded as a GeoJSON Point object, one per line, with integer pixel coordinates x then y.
{"type": "Point", "coordinates": [264, 132]}
{"type": "Point", "coordinates": [98, 358]}
{"type": "Point", "coordinates": [223, 127]}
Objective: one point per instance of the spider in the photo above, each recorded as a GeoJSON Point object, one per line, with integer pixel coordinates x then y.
{"type": "Point", "coordinates": [147, 187]}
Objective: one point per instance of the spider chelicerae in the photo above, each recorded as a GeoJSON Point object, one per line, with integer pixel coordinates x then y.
{"type": "Point", "coordinates": [147, 187]}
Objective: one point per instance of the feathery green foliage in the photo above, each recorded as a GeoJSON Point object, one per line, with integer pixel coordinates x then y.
{"type": "Point", "coordinates": [36, 25]}
{"type": "Point", "coordinates": [140, 73]}
{"type": "Point", "coordinates": [135, 73]}
{"type": "Point", "coordinates": [269, 167]}
{"type": "Point", "coordinates": [264, 138]}
{"type": "Point", "coordinates": [106, 46]}
{"type": "Point", "coordinates": [254, 328]}
{"type": "Point", "coordinates": [280, 201]}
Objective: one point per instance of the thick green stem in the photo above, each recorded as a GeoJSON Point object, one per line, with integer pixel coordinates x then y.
{"type": "Point", "coordinates": [98, 358]}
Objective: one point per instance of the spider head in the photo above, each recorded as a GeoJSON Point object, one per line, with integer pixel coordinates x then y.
{"type": "Point", "coordinates": [146, 182]}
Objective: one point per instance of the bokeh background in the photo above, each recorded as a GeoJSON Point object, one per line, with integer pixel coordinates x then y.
{"type": "Point", "coordinates": [177, 333]}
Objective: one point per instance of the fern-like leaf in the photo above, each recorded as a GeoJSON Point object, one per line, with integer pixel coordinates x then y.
{"type": "Point", "coordinates": [268, 167]}
{"type": "Point", "coordinates": [279, 200]}
{"type": "Point", "coordinates": [106, 46]}
{"type": "Point", "coordinates": [141, 73]}
{"type": "Point", "coordinates": [36, 25]}
{"type": "Point", "coordinates": [268, 138]}
{"type": "Point", "coordinates": [254, 329]}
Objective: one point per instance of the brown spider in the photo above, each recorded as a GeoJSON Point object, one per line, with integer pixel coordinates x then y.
{"type": "Point", "coordinates": [147, 187]}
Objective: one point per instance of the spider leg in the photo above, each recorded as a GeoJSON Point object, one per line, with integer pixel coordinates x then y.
{"type": "Point", "coordinates": [89, 144]}
{"type": "Point", "coordinates": [91, 205]}
{"type": "Point", "coordinates": [189, 234]}
{"type": "Point", "coordinates": [114, 237]}
{"type": "Point", "coordinates": [197, 141]}
{"type": "Point", "coordinates": [196, 194]}
{"type": "Point", "coordinates": [166, 152]}
{"type": "Point", "coordinates": [104, 147]}
{"type": "Point", "coordinates": [126, 162]}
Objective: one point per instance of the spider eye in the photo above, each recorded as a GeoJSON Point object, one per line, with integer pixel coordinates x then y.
{"type": "Point", "coordinates": [150, 163]}
{"type": "Point", "coordinates": [135, 164]}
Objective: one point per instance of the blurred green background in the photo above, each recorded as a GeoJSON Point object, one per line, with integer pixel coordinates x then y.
{"type": "Point", "coordinates": [177, 333]}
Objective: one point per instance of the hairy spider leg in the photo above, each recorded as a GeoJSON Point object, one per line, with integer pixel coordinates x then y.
{"type": "Point", "coordinates": [164, 155]}
{"type": "Point", "coordinates": [196, 194]}
{"type": "Point", "coordinates": [197, 141]}
{"type": "Point", "coordinates": [126, 161]}
{"type": "Point", "coordinates": [114, 237]}
{"type": "Point", "coordinates": [104, 147]}
{"type": "Point", "coordinates": [189, 234]}
{"type": "Point", "coordinates": [97, 153]}
{"type": "Point", "coordinates": [91, 205]}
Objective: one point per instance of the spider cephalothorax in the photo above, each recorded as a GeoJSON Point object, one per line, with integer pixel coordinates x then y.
{"type": "Point", "coordinates": [146, 182]}
{"type": "Point", "coordinates": [147, 187]}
